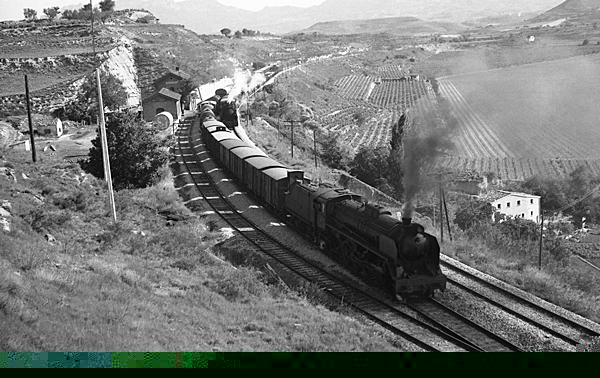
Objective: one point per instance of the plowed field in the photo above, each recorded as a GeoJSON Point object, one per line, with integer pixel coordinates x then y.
{"type": "Point", "coordinates": [541, 118]}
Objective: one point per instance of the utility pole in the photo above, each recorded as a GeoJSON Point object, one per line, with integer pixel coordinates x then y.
{"type": "Point", "coordinates": [446, 211]}
{"type": "Point", "coordinates": [105, 158]}
{"type": "Point", "coordinates": [441, 212]}
{"type": "Point", "coordinates": [292, 139]}
{"type": "Point", "coordinates": [93, 37]}
{"type": "Point", "coordinates": [315, 145]}
{"type": "Point", "coordinates": [541, 235]}
{"type": "Point", "coordinates": [31, 138]}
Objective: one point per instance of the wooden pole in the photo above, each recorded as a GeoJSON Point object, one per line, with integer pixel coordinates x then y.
{"type": "Point", "coordinates": [31, 138]}
{"type": "Point", "coordinates": [441, 212]}
{"type": "Point", "coordinates": [541, 235]}
{"type": "Point", "coordinates": [447, 217]}
{"type": "Point", "coordinates": [105, 157]}
{"type": "Point", "coordinates": [93, 37]}
{"type": "Point", "coordinates": [292, 139]}
{"type": "Point", "coordinates": [315, 145]}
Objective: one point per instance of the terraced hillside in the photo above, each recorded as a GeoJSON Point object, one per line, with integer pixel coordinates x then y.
{"type": "Point", "coordinates": [540, 118]}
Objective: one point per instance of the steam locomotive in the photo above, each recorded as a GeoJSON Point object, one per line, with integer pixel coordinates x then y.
{"type": "Point", "coordinates": [364, 235]}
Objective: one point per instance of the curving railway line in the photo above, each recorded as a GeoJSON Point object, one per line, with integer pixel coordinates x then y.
{"type": "Point", "coordinates": [428, 334]}
{"type": "Point", "coordinates": [429, 324]}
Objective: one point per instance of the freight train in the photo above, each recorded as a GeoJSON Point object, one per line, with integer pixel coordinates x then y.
{"type": "Point", "coordinates": [364, 235]}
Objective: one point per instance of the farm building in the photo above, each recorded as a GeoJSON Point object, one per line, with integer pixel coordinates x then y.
{"type": "Point", "coordinates": [162, 101]}
{"type": "Point", "coordinates": [513, 204]}
{"type": "Point", "coordinates": [53, 128]}
{"type": "Point", "coordinates": [173, 80]}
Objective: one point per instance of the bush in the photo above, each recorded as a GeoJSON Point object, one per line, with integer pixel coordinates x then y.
{"type": "Point", "coordinates": [371, 166]}
{"type": "Point", "coordinates": [136, 154]}
{"type": "Point", "coordinates": [334, 155]}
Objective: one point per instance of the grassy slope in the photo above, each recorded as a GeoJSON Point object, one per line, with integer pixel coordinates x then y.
{"type": "Point", "coordinates": [109, 287]}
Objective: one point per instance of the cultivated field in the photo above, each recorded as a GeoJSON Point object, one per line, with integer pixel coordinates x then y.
{"type": "Point", "coordinates": [540, 118]}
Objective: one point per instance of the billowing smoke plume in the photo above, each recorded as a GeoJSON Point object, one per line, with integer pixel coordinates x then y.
{"type": "Point", "coordinates": [423, 142]}
{"type": "Point", "coordinates": [245, 82]}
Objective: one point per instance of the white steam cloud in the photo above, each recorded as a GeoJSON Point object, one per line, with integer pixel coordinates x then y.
{"type": "Point", "coordinates": [244, 82]}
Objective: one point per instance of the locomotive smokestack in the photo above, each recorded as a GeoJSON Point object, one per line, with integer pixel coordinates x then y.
{"type": "Point", "coordinates": [407, 212]}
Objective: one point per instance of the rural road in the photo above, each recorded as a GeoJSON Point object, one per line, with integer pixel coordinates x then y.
{"type": "Point", "coordinates": [8, 134]}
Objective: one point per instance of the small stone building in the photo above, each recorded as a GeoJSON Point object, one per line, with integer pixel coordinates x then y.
{"type": "Point", "coordinates": [172, 80]}
{"type": "Point", "coordinates": [164, 100]}
{"type": "Point", "coordinates": [52, 128]}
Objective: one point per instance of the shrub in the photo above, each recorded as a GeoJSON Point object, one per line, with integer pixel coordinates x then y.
{"type": "Point", "coordinates": [136, 154]}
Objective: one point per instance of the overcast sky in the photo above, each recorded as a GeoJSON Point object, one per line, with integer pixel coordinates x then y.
{"type": "Point", "coordinates": [13, 10]}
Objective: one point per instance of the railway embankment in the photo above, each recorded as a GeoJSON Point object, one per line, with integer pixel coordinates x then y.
{"type": "Point", "coordinates": [71, 279]}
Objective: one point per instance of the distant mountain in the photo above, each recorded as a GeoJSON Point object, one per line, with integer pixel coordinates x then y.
{"type": "Point", "coordinates": [582, 10]}
{"type": "Point", "coordinates": [391, 25]}
{"type": "Point", "coordinates": [209, 16]}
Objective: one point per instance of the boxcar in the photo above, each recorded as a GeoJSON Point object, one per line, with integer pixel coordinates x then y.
{"type": "Point", "coordinates": [227, 146]}
{"type": "Point", "coordinates": [215, 139]}
{"type": "Point", "coordinates": [274, 183]}
{"type": "Point", "coordinates": [237, 157]}
{"type": "Point", "coordinates": [253, 168]}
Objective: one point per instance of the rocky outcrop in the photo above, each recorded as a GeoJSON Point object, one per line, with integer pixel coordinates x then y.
{"type": "Point", "coordinates": [120, 63]}
{"type": "Point", "coordinates": [118, 60]}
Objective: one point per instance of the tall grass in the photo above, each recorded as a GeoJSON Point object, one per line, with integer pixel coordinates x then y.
{"type": "Point", "coordinates": [486, 248]}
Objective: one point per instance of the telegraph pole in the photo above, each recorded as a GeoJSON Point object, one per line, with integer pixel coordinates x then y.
{"type": "Point", "coordinates": [105, 158]}
{"type": "Point", "coordinates": [315, 145]}
{"type": "Point", "coordinates": [441, 212]}
{"type": "Point", "coordinates": [446, 211]}
{"type": "Point", "coordinates": [93, 37]}
{"type": "Point", "coordinates": [292, 139]}
{"type": "Point", "coordinates": [541, 235]}
{"type": "Point", "coordinates": [31, 138]}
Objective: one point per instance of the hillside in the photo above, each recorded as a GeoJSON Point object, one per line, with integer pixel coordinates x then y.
{"type": "Point", "coordinates": [581, 10]}
{"type": "Point", "coordinates": [56, 56]}
{"type": "Point", "coordinates": [209, 16]}
{"type": "Point", "coordinates": [391, 25]}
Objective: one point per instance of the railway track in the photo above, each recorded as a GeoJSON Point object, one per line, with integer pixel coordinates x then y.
{"type": "Point", "coordinates": [391, 316]}
{"type": "Point", "coordinates": [428, 328]}
{"type": "Point", "coordinates": [466, 329]}
{"type": "Point", "coordinates": [520, 307]}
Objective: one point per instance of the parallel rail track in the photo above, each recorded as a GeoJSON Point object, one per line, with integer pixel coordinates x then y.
{"type": "Point", "coordinates": [433, 334]}
{"type": "Point", "coordinates": [520, 301]}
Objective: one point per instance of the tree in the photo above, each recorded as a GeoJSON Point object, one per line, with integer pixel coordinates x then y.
{"type": "Point", "coordinates": [471, 212]}
{"type": "Point", "coordinates": [85, 107]}
{"type": "Point", "coordinates": [226, 32]}
{"type": "Point", "coordinates": [371, 165]}
{"type": "Point", "coordinates": [333, 154]}
{"type": "Point", "coordinates": [136, 153]}
{"type": "Point", "coordinates": [52, 12]}
{"type": "Point", "coordinates": [30, 14]}
{"type": "Point", "coordinates": [586, 42]}
{"type": "Point", "coordinates": [238, 34]}
{"type": "Point", "coordinates": [114, 94]}
{"type": "Point", "coordinates": [187, 86]}
{"type": "Point", "coordinates": [107, 5]}
{"type": "Point", "coordinates": [359, 117]}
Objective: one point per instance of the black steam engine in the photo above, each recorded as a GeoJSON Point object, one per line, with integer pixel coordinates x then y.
{"type": "Point", "coordinates": [364, 235]}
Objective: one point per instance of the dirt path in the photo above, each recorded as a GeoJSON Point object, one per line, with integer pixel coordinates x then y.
{"type": "Point", "coordinates": [8, 134]}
